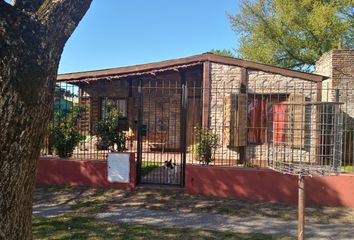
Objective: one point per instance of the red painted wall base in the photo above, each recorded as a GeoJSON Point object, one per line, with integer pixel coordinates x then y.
{"type": "Point", "coordinates": [267, 185]}
{"type": "Point", "coordinates": [80, 173]}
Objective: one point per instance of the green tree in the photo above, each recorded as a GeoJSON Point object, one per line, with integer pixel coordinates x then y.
{"type": "Point", "coordinates": [64, 131]}
{"type": "Point", "coordinates": [107, 129]}
{"type": "Point", "coordinates": [206, 144]}
{"type": "Point", "coordinates": [223, 52]}
{"type": "Point", "coordinates": [292, 33]}
{"type": "Point", "coordinates": [32, 37]}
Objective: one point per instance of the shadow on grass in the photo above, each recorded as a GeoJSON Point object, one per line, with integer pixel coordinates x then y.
{"type": "Point", "coordinates": [94, 200]}
{"type": "Point", "coordinates": [78, 227]}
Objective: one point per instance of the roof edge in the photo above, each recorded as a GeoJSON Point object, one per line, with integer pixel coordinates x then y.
{"type": "Point", "coordinates": [266, 68]}
{"type": "Point", "coordinates": [192, 59]}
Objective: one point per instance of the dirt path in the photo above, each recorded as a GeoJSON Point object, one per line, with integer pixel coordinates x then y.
{"type": "Point", "coordinates": [173, 208]}
{"type": "Point", "coordinates": [207, 221]}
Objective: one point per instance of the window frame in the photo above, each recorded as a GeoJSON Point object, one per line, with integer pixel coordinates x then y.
{"type": "Point", "coordinates": [124, 114]}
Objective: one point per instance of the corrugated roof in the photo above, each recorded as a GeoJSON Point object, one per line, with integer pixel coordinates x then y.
{"type": "Point", "coordinates": [180, 63]}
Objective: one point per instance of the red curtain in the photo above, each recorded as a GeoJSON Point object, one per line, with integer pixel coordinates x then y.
{"type": "Point", "coordinates": [257, 116]}
{"type": "Point", "coordinates": [279, 123]}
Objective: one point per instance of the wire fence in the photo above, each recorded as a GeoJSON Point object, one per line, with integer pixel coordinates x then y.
{"type": "Point", "coordinates": [223, 125]}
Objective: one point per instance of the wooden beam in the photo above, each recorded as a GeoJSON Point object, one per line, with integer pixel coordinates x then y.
{"type": "Point", "coordinates": [243, 89]}
{"type": "Point", "coordinates": [318, 122]}
{"type": "Point", "coordinates": [206, 94]}
{"type": "Point", "coordinates": [244, 80]}
{"type": "Point", "coordinates": [319, 92]}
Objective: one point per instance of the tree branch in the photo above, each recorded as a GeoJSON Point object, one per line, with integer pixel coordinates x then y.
{"type": "Point", "coordinates": [28, 5]}
{"type": "Point", "coordinates": [61, 17]}
{"type": "Point", "coordinates": [10, 18]}
{"type": "Point", "coordinates": [273, 36]}
{"type": "Point", "coordinates": [5, 9]}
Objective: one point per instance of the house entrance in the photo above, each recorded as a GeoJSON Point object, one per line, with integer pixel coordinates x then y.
{"type": "Point", "coordinates": [161, 126]}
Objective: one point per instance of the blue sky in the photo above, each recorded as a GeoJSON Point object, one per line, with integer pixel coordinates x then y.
{"type": "Point", "coordinates": [117, 33]}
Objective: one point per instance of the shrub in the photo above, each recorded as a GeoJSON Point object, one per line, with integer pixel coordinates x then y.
{"type": "Point", "coordinates": [107, 129]}
{"type": "Point", "coordinates": [205, 146]}
{"type": "Point", "coordinates": [64, 132]}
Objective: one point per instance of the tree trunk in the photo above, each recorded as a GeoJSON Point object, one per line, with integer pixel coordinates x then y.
{"type": "Point", "coordinates": [31, 43]}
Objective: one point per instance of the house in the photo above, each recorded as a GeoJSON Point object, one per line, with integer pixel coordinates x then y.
{"type": "Point", "coordinates": [230, 96]}
{"type": "Point", "coordinates": [338, 66]}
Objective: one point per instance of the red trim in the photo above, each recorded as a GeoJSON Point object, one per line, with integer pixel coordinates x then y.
{"type": "Point", "coordinates": [267, 185]}
{"type": "Point", "coordinates": [80, 173]}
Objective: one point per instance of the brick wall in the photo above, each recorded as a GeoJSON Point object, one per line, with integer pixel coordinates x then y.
{"type": "Point", "coordinates": [266, 185]}
{"type": "Point", "coordinates": [338, 65]}
{"type": "Point", "coordinates": [161, 107]}
{"type": "Point", "coordinates": [56, 171]}
{"type": "Point", "coordinates": [162, 113]}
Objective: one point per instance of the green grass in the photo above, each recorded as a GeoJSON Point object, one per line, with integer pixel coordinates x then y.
{"type": "Point", "coordinates": [78, 227]}
{"type": "Point", "coordinates": [347, 168]}
{"type": "Point", "coordinates": [147, 167]}
{"type": "Point", "coordinates": [90, 206]}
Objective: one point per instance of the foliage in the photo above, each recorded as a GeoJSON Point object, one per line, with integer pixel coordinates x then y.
{"type": "Point", "coordinates": [65, 135]}
{"type": "Point", "coordinates": [223, 52]}
{"type": "Point", "coordinates": [63, 99]}
{"type": "Point", "coordinates": [205, 146]}
{"type": "Point", "coordinates": [292, 33]}
{"type": "Point", "coordinates": [147, 167]}
{"type": "Point", "coordinates": [347, 168]}
{"type": "Point", "coordinates": [107, 129]}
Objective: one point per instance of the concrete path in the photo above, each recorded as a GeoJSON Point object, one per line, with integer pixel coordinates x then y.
{"type": "Point", "coordinates": [209, 221]}
{"type": "Point", "coordinates": [50, 210]}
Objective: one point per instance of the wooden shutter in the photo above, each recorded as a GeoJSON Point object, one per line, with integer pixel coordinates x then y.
{"type": "Point", "coordinates": [296, 108]}
{"type": "Point", "coordinates": [227, 119]}
{"type": "Point", "coordinates": [235, 120]}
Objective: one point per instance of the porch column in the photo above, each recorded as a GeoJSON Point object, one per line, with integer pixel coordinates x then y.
{"type": "Point", "coordinates": [206, 94]}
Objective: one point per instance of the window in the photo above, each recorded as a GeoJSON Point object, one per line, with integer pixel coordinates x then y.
{"type": "Point", "coordinates": [289, 120]}
{"type": "Point", "coordinates": [257, 116]}
{"type": "Point", "coordinates": [120, 104]}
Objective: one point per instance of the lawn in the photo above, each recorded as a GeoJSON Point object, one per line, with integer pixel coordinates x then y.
{"type": "Point", "coordinates": [147, 167]}
{"type": "Point", "coordinates": [347, 168]}
{"type": "Point", "coordinates": [71, 226]}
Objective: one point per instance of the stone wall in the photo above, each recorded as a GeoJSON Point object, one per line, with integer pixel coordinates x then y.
{"type": "Point", "coordinates": [260, 82]}
{"type": "Point", "coordinates": [226, 79]}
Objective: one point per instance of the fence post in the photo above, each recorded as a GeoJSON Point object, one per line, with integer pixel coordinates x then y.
{"type": "Point", "coordinates": [139, 130]}
{"type": "Point", "coordinates": [301, 208]}
{"type": "Point", "coordinates": [184, 109]}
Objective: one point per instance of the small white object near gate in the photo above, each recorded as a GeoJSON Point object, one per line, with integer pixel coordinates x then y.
{"type": "Point", "coordinates": [118, 167]}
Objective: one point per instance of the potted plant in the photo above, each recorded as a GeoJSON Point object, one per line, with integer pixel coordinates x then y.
{"type": "Point", "coordinates": [205, 146]}
{"type": "Point", "coordinates": [108, 132]}
{"type": "Point", "coordinates": [64, 132]}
